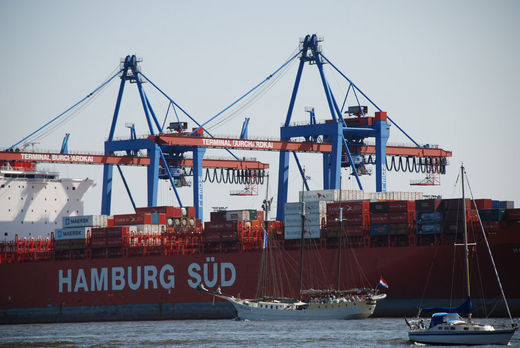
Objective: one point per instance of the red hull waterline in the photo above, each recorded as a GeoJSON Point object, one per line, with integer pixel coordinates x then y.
{"type": "Point", "coordinates": [163, 286]}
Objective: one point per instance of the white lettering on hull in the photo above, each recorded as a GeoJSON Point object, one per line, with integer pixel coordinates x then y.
{"type": "Point", "coordinates": [119, 279]}
{"type": "Point", "coordinates": [147, 277]}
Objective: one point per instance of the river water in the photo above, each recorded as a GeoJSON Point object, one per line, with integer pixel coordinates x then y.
{"type": "Point", "coordinates": [375, 332]}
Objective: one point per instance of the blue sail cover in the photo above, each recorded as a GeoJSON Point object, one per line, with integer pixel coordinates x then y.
{"type": "Point", "coordinates": [464, 308]}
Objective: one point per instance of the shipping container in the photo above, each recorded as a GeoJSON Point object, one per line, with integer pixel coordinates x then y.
{"type": "Point", "coordinates": [492, 214]}
{"type": "Point", "coordinates": [428, 217]}
{"type": "Point", "coordinates": [378, 218]}
{"type": "Point", "coordinates": [320, 195]}
{"type": "Point", "coordinates": [427, 204]}
{"type": "Point", "coordinates": [513, 214]}
{"type": "Point", "coordinates": [378, 207]}
{"type": "Point", "coordinates": [168, 210]}
{"type": "Point", "coordinates": [483, 204]}
{"type": "Point", "coordinates": [296, 220]}
{"type": "Point", "coordinates": [72, 233]}
{"type": "Point", "coordinates": [217, 215]}
{"type": "Point", "coordinates": [429, 228]}
{"type": "Point", "coordinates": [133, 219]}
{"type": "Point", "coordinates": [403, 217]}
{"type": "Point", "coordinates": [456, 204]}
{"type": "Point", "coordinates": [235, 215]}
{"type": "Point", "coordinates": [85, 221]}
{"type": "Point", "coordinates": [379, 230]}
{"type": "Point", "coordinates": [453, 227]}
{"type": "Point", "coordinates": [68, 244]}
{"type": "Point", "coordinates": [398, 229]}
{"type": "Point", "coordinates": [295, 232]}
{"type": "Point", "coordinates": [349, 207]}
{"type": "Point", "coordinates": [401, 206]}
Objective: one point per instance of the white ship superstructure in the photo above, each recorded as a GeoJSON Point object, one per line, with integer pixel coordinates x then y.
{"type": "Point", "coordinates": [33, 202]}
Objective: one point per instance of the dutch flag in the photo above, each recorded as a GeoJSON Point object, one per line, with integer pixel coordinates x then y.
{"type": "Point", "coordinates": [383, 283]}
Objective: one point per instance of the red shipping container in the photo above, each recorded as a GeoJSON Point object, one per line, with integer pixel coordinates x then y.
{"type": "Point", "coordinates": [404, 217]}
{"type": "Point", "coordinates": [379, 218]}
{"type": "Point", "coordinates": [168, 210]}
{"type": "Point", "coordinates": [349, 207]}
{"type": "Point", "coordinates": [98, 233]}
{"type": "Point", "coordinates": [212, 237]}
{"type": "Point", "coordinates": [483, 204]}
{"type": "Point", "coordinates": [400, 206]}
{"type": "Point", "coordinates": [260, 215]}
{"type": "Point", "coordinates": [114, 242]}
{"type": "Point", "coordinates": [133, 219]}
{"type": "Point", "coordinates": [98, 243]}
{"type": "Point", "coordinates": [117, 231]}
{"type": "Point", "coordinates": [354, 230]}
{"type": "Point", "coordinates": [229, 236]}
{"type": "Point", "coordinates": [110, 222]}
{"type": "Point", "coordinates": [351, 219]}
{"type": "Point", "coordinates": [513, 214]}
{"type": "Point", "coordinates": [217, 216]}
{"type": "Point", "coordinates": [211, 226]}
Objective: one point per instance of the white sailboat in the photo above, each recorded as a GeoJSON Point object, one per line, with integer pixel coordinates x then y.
{"type": "Point", "coordinates": [311, 304]}
{"type": "Point", "coordinates": [446, 326]}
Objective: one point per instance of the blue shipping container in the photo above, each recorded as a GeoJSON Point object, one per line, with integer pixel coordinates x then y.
{"type": "Point", "coordinates": [428, 217]}
{"type": "Point", "coordinates": [429, 229]}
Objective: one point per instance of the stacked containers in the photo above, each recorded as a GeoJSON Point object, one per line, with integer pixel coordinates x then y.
{"type": "Point", "coordinates": [428, 217]}
{"type": "Point", "coordinates": [454, 215]}
{"type": "Point", "coordinates": [76, 230]}
{"type": "Point", "coordinates": [379, 219]}
{"type": "Point", "coordinates": [141, 228]}
{"type": "Point", "coordinates": [233, 225]}
{"type": "Point", "coordinates": [356, 218]}
{"type": "Point", "coordinates": [401, 217]}
{"type": "Point", "coordinates": [314, 214]}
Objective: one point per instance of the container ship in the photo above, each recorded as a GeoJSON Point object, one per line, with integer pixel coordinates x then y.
{"type": "Point", "coordinates": [148, 264]}
{"type": "Point", "coordinates": [58, 264]}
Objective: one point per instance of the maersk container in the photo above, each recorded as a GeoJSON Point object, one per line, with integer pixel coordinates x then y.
{"type": "Point", "coordinates": [295, 232]}
{"type": "Point", "coordinates": [72, 233]}
{"type": "Point", "coordinates": [85, 221]}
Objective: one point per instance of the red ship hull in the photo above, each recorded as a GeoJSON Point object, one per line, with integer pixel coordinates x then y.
{"type": "Point", "coordinates": [163, 286]}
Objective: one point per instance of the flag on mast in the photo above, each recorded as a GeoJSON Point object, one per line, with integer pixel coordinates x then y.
{"type": "Point", "coordinates": [383, 283]}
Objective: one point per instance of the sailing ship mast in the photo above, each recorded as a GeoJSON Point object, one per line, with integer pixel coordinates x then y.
{"type": "Point", "coordinates": [300, 286]}
{"type": "Point", "coordinates": [466, 251]}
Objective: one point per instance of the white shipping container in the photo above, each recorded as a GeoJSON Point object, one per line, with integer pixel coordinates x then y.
{"type": "Point", "coordinates": [320, 195]}
{"type": "Point", "coordinates": [85, 221]}
{"type": "Point", "coordinates": [237, 215]}
{"type": "Point", "coordinates": [352, 195]}
{"type": "Point", "coordinates": [72, 233]}
{"type": "Point", "coordinates": [295, 232]}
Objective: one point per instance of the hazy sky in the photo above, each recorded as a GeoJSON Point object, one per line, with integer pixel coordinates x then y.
{"type": "Point", "coordinates": [446, 71]}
